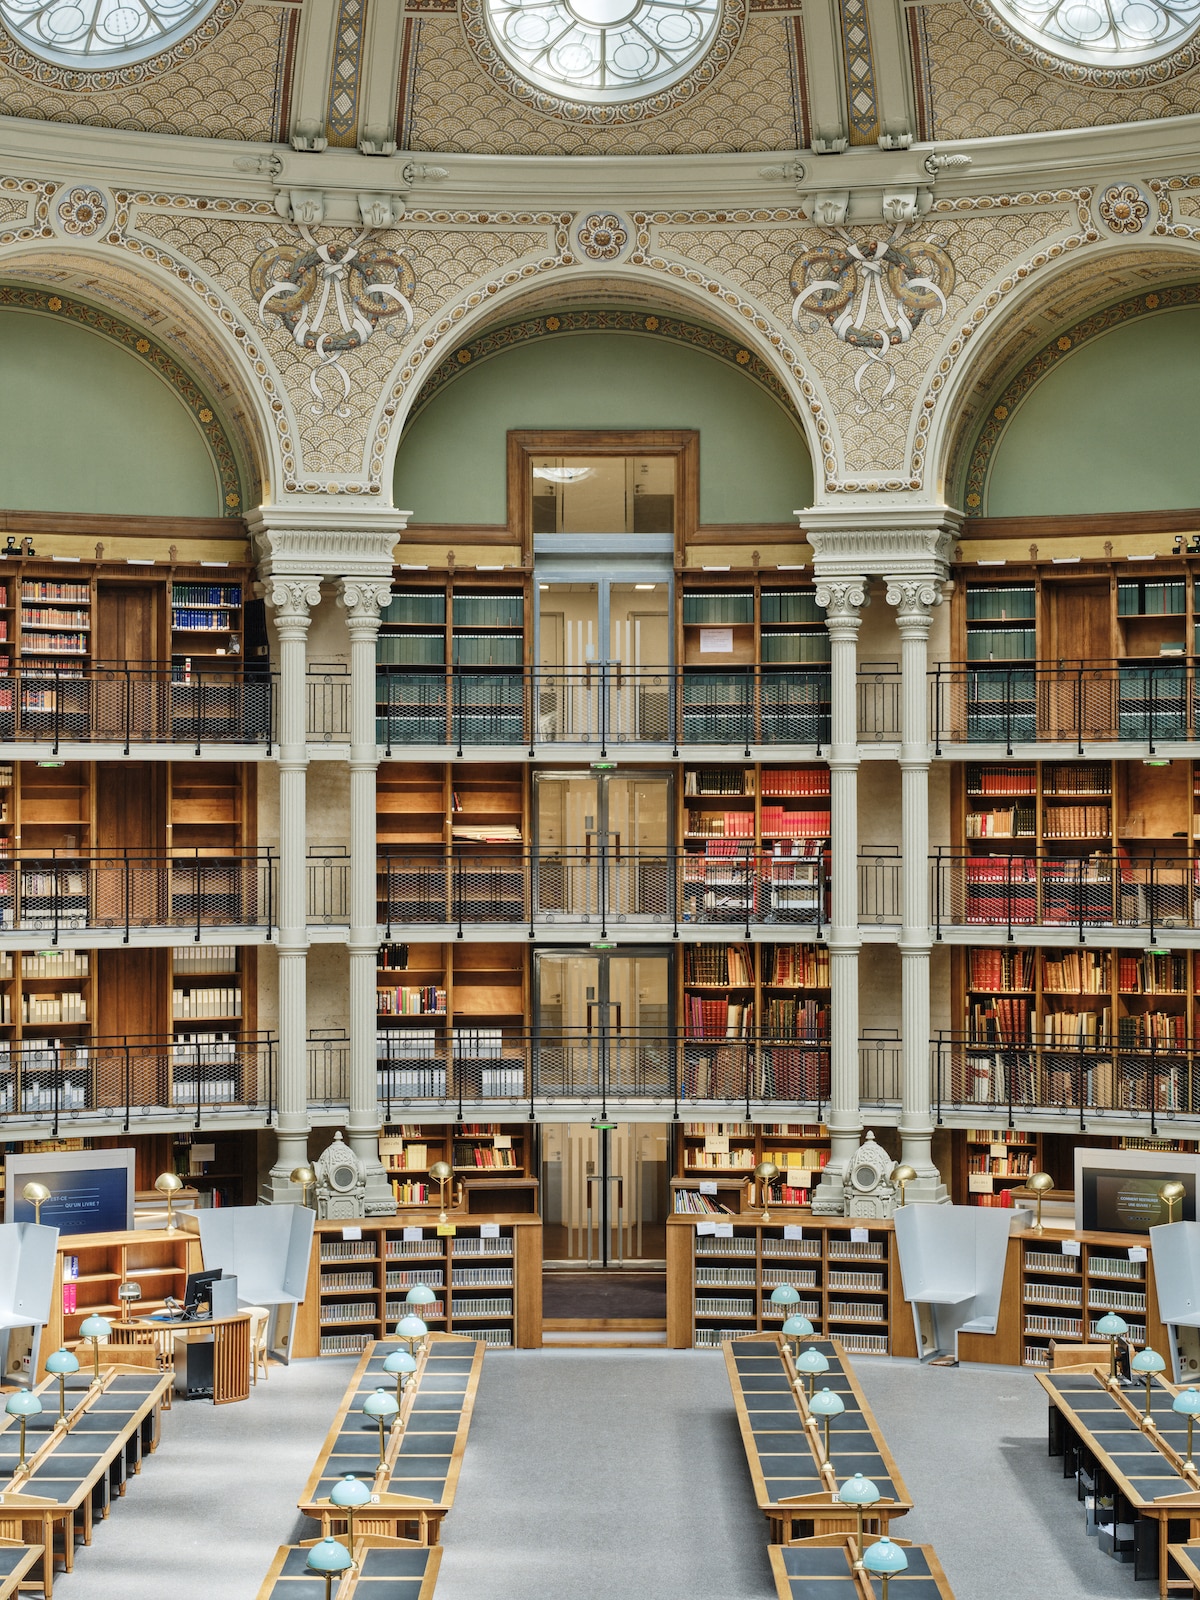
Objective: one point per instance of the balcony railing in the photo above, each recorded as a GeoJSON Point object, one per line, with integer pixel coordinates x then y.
{"type": "Point", "coordinates": [127, 891]}
{"type": "Point", "coordinates": [56, 1083]}
{"type": "Point", "coordinates": [118, 704]}
{"type": "Point", "coordinates": [1072, 703]}
{"type": "Point", "coordinates": [1153, 891]}
{"type": "Point", "coordinates": [1081, 1082]}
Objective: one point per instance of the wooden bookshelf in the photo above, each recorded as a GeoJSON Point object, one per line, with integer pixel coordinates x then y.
{"type": "Point", "coordinates": [726, 1153]}
{"type": "Point", "coordinates": [719, 1284]}
{"type": "Point", "coordinates": [489, 1288]}
{"type": "Point", "coordinates": [408, 1150]}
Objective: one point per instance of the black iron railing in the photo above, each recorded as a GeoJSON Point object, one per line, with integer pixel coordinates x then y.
{"type": "Point", "coordinates": [55, 1083]}
{"type": "Point", "coordinates": [101, 703]}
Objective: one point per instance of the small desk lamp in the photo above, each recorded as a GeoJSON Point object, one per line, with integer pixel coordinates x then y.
{"type": "Point", "coordinates": [785, 1295]}
{"type": "Point", "coordinates": [1149, 1362]}
{"type": "Point", "coordinates": [1187, 1403]}
{"type": "Point", "coordinates": [348, 1493]}
{"type": "Point", "coordinates": [95, 1328]}
{"type": "Point", "coordinates": [766, 1172]}
{"type": "Point", "coordinates": [305, 1177]}
{"type": "Point", "coordinates": [60, 1363]}
{"type": "Point", "coordinates": [885, 1558]}
{"type": "Point", "coordinates": [1112, 1327]}
{"type": "Point", "coordinates": [403, 1365]}
{"type": "Point", "coordinates": [169, 1183]}
{"type": "Point", "coordinates": [442, 1172]}
{"type": "Point", "coordinates": [860, 1493]}
{"type": "Point", "coordinates": [330, 1559]}
{"type": "Point", "coordinates": [1038, 1183]}
{"type": "Point", "coordinates": [1171, 1194]}
{"type": "Point", "coordinates": [420, 1295]}
{"type": "Point", "coordinates": [413, 1329]}
{"type": "Point", "coordinates": [128, 1293]}
{"type": "Point", "coordinates": [383, 1407]}
{"type": "Point", "coordinates": [37, 1194]}
{"type": "Point", "coordinates": [24, 1404]}
{"type": "Point", "coordinates": [812, 1363]}
{"type": "Point", "coordinates": [797, 1327]}
{"type": "Point", "coordinates": [903, 1174]}
{"type": "Point", "coordinates": [825, 1403]}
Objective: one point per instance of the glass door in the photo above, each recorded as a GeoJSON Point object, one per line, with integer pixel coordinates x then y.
{"type": "Point", "coordinates": [603, 659]}
{"type": "Point", "coordinates": [603, 845]}
{"type": "Point", "coordinates": [605, 1193]}
{"type": "Point", "coordinates": [602, 1022]}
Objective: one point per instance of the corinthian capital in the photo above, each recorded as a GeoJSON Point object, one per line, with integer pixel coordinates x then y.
{"type": "Point", "coordinates": [363, 599]}
{"type": "Point", "coordinates": [292, 599]}
{"type": "Point", "coordinates": [914, 599]}
{"type": "Point", "coordinates": [842, 599]}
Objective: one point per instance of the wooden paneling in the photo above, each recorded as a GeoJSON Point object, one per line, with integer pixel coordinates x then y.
{"type": "Point", "coordinates": [130, 806]}
{"type": "Point", "coordinates": [1080, 621]}
{"type": "Point", "coordinates": [127, 620]}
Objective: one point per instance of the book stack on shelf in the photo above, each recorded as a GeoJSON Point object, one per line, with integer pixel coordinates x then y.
{"type": "Point", "coordinates": [206, 985]}
{"type": "Point", "coordinates": [412, 1004]}
{"type": "Point", "coordinates": [1001, 641]}
{"type": "Point", "coordinates": [719, 869]}
{"type": "Point", "coordinates": [410, 669]}
{"type": "Point", "coordinates": [488, 654]}
{"type": "Point", "coordinates": [1068, 1285]}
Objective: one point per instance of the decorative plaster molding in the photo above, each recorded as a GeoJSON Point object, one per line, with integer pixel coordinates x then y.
{"type": "Point", "coordinates": [327, 539]}
{"type": "Point", "coordinates": [292, 600]}
{"type": "Point", "coordinates": [363, 600]}
{"type": "Point", "coordinates": [914, 600]}
{"type": "Point", "coordinates": [910, 547]}
{"type": "Point", "coordinates": [843, 601]}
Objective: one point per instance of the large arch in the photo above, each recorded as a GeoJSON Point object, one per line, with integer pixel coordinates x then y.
{"type": "Point", "coordinates": [1038, 313]}
{"type": "Point", "coordinates": [595, 368]}
{"type": "Point", "coordinates": [187, 344]}
{"type": "Point", "coordinates": [769, 349]}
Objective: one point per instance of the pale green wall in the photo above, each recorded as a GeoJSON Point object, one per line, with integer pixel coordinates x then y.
{"type": "Point", "coordinates": [1113, 427]}
{"type": "Point", "coordinates": [754, 464]}
{"type": "Point", "coordinates": [85, 426]}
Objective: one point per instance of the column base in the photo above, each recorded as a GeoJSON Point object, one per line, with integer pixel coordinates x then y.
{"type": "Point", "coordinates": [278, 1188]}
{"type": "Point", "coordinates": [926, 1189]}
{"type": "Point", "coordinates": [379, 1200]}
{"type": "Point", "coordinates": [829, 1197]}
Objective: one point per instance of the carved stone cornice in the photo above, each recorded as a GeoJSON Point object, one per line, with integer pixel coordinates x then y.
{"type": "Point", "coordinates": [328, 540]}
{"type": "Point", "coordinates": [896, 543]}
{"type": "Point", "coordinates": [363, 600]}
{"type": "Point", "coordinates": [292, 600]}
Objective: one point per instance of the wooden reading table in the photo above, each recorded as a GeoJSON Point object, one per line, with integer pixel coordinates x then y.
{"type": "Point", "coordinates": [415, 1486]}
{"type": "Point", "coordinates": [823, 1569]}
{"type": "Point", "coordinates": [384, 1569]}
{"type": "Point", "coordinates": [1144, 1469]}
{"type": "Point", "coordinates": [1187, 1558]}
{"type": "Point", "coordinates": [72, 1470]}
{"type": "Point", "coordinates": [795, 1487]}
{"type": "Point", "coordinates": [15, 1561]}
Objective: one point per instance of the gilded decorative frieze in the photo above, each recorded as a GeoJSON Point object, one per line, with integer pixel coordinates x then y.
{"type": "Point", "coordinates": [457, 105]}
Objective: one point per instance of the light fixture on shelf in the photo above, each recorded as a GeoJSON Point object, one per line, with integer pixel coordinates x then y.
{"type": "Point", "coordinates": [24, 1404]}
{"type": "Point", "coordinates": [903, 1175]}
{"type": "Point", "coordinates": [347, 1494]}
{"type": "Point", "coordinates": [128, 1294]}
{"type": "Point", "coordinates": [95, 1328]}
{"type": "Point", "coordinates": [1039, 1183]}
{"type": "Point", "coordinates": [61, 1363]}
{"type": "Point", "coordinates": [1171, 1194]}
{"type": "Point", "coordinates": [329, 1558]}
{"type": "Point", "coordinates": [1147, 1362]}
{"type": "Point", "coordinates": [382, 1407]}
{"type": "Point", "coordinates": [886, 1559]}
{"type": "Point", "coordinates": [442, 1172]}
{"type": "Point", "coordinates": [169, 1183]}
{"type": "Point", "coordinates": [766, 1172]}
{"type": "Point", "coordinates": [36, 1194]}
{"type": "Point", "coordinates": [860, 1493]}
{"type": "Point", "coordinates": [1112, 1327]}
{"type": "Point", "coordinates": [305, 1177]}
{"type": "Point", "coordinates": [826, 1403]}
{"type": "Point", "coordinates": [1187, 1404]}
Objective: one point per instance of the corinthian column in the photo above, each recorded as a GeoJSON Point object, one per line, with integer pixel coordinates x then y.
{"type": "Point", "coordinates": [291, 600]}
{"type": "Point", "coordinates": [914, 599]}
{"type": "Point", "coordinates": [362, 599]}
{"type": "Point", "coordinates": [843, 600]}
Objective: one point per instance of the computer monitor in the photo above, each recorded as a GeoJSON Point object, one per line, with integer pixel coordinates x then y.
{"type": "Point", "coordinates": [198, 1290]}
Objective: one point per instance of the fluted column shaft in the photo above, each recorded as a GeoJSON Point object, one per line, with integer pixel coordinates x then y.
{"type": "Point", "coordinates": [362, 600]}
{"type": "Point", "coordinates": [843, 600]}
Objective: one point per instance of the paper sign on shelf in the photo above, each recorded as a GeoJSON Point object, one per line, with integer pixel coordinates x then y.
{"type": "Point", "coordinates": [799, 1177]}
{"type": "Point", "coordinates": [980, 1183]}
{"type": "Point", "coordinates": [446, 1230]}
{"type": "Point", "coordinates": [502, 1141]}
{"type": "Point", "coordinates": [790, 1231]}
{"type": "Point", "coordinates": [351, 1233]}
{"type": "Point", "coordinates": [723, 1230]}
{"type": "Point", "coordinates": [1137, 1252]}
{"type": "Point", "coordinates": [203, 1152]}
{"type": "Point", "coordinates": [716, 641]}
{"type": "Point", "coordinates": [998, 1150]}
{"type": "Point", "coordinates": [489, 1230]}
{"type": "Point", "coordinates": [1070, 1247]}
{"type": "Point", "coordinates": [716, 1144]}
{"type": "Point", "coordinates": [708, 1188]}
{"type": "Point", "coordinates": [859, 1236]}
{"type": "Point", "coordinates": [410, 1235]}
{"type": "Point", "coordinates": [706, 1227]}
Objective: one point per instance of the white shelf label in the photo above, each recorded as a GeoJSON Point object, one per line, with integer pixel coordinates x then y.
{"type": "Point", "coordinates": [859, 1236]}
{"type": "Point", "coordinates": [412, 1234]}
{"type": "Point", "coordinates": [706, 1227]}
{"type": "Point", "coordinates": [716, 641]}
{"type": "Point", "coordinates": [1070, 1247]}
{"type": "Point", "coordinates": [723, 1230]}
{"type": "Point", "coordinates": [489, 1230]}
{"type": "Point", "coordinates": [502, 1141]}
{"type": "Point", "coordinates": [708, 1188]}
{"type": "Point", "coordinates": [1137, 1252]}
{"type": "Point", "coordinates": [791, 1231]}
{"type": "Point", "coordinates": [351, 1233]}
{"type": "Point", "coordinates": [980, 1183]}
{"type": "Point", "coordinates": [799, 1177]}
{"type": "Point", "coordinates": [716, 1144]}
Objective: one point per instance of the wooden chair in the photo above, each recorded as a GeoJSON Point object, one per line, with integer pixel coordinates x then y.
{"type": "Point", "coordinates": [260, 1317]}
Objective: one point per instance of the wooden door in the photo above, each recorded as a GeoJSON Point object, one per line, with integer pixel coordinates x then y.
{"type": "Point", "coordinates": [1082, 687]}
{"type": "Point", "coordinates": [130, 863]}
{"type": "Point", "coordinates": [128, 636]}
{"type": "Point", "coordinates": [132, 1026]}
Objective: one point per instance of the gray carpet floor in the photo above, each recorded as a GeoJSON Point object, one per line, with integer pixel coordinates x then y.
{"type": "Point", "coordinates": [606, 1475]}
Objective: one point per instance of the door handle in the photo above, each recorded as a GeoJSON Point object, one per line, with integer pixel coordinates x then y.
{"type": "Point", "coordinates": [595, 1005]}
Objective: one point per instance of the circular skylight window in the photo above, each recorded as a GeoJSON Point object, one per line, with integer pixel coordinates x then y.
{"type": "Point", "coordinates": [603, 51]}
{"type": "Point", "coordinates": [101, 33]}
{"type": "Point", "coordinates": [1115, 33]}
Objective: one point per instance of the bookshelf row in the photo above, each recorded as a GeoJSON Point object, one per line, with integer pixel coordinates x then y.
{"type": "Point", "coordinates": [1095, 615]}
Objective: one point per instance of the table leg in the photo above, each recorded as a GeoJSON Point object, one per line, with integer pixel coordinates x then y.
{"type": "Point", "coordinates": [69, 1541]}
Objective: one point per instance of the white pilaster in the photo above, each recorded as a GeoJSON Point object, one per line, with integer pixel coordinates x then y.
{"type": "Point", "coordinates": [914, 599]}
{"type": "Point", "coordinates": [362, 599]}
{"type": "Point", "coordinates": [291, 600]}
{"type": "Point", "coordinates": [843, 600]}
